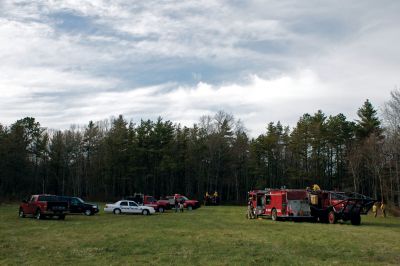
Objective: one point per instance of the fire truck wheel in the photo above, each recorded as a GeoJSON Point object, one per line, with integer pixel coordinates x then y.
{"type": "Point", "coordinates": [356, 219]}
{"type": "Point", "coordinates": [161, 209]}
{"type": "Point", "coordinates": [332, 217]}
{"type": "Point", "coordinates": [274, 215]}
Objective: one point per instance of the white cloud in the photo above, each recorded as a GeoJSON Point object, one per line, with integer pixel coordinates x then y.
{"type": "Point", "coordinates": [72, 61]}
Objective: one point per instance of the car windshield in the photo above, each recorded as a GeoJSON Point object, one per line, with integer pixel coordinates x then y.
{"type": "Point", "coordinates": [184, 198]}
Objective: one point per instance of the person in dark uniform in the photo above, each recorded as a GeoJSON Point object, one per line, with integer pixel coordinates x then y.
{"type": "Point", "coordinates": [181, 205]}
{"type": "Point", "coordinates": [176, 203]}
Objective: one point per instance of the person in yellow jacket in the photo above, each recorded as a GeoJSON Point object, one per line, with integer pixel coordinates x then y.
{"type": "Point", "coordinates": [215, 198]}
{"type": "Point", "coordinates": [315, 187]}
{"type": "Point", "coordinates": [375, 210]}
{"type": "Point", "coordinates": [383, 209]}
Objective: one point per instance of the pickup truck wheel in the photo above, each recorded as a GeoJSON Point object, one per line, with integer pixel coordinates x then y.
{"type": "Point", "coordinates": [161, 210]}
{"type": "Point", "coordinates": [38, 215]}
{"type": "Point", "coordinates": [21, 213]}
{"type": "Point", "coordinates": [145, 212]}
{"type": "Point", "coordinates": [117, 211]}
{"type": "Point", "coordinates": [189, 208]}
{"type": "Point", "coordinates": [274, 215]}
{"type": "Point", "coordinates": [88, 212]}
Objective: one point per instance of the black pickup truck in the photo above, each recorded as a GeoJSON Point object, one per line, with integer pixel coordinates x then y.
{"type": "Point", "coordinates": [77, 205]}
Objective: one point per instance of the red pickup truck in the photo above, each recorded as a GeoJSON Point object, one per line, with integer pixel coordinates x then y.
{"type": "Point", "coordinates": [40, 206]}
{"type": "Point", "coordinates": [147, 200]}
{"type": "Point", "coordinates": [169, 202]}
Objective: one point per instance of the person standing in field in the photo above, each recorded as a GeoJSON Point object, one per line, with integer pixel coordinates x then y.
{"type": "Point", "coordinates": [383, 209]}
{"type": "Point", "coordinates": [375, 210]}
{"type": "Point", "coordinates": [176, 203]}
{"type": "Point", "coordinates": [181, 205]}
{"type": "Point", "coordinates": [250, 214]}
{"type": "Point", "coordinates": [206, 199]}
{"type": "Point", "coordinates": [215, 198]}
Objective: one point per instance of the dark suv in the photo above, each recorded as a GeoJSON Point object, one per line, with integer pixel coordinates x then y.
{"type": "Point", "coordinates": [77, 205]}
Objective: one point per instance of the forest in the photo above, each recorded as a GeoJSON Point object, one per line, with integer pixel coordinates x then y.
{"type": "Point", "coordinates": [108, 159]}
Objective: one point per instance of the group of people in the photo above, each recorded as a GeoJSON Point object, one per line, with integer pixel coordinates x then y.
{"type": "Point", "coordinates": [375, 208]}
{"type": "Point", "coordinates": [211, 199]}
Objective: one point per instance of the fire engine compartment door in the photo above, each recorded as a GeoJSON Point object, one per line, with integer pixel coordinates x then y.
{"type": "Point", "coordinates": [299, 207]}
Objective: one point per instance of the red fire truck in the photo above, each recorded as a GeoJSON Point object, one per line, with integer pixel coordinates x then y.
{"type": "Point", "coordinates": [281, 203]}
{"type": "Point", "coordinates": [318, 205]}
{"type": "Point", "coordinates": [331, 206]}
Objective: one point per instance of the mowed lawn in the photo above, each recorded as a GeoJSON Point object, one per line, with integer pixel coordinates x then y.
{"type": "Point", "coordinates": [207, 236]}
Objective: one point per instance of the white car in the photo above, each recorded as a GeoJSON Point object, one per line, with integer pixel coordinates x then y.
{"type": "Point", "coordinates": [128, 206]}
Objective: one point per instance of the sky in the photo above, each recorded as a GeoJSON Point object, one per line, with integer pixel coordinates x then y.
{"type": "Point", "coordinates": [72, 61]}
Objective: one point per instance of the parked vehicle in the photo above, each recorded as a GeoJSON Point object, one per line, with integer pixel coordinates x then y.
{"type": "Point", "coordinates": [40, 206]}
{"type": "Point", "coordinates": [77, 205]}
{"type": "Point", "coordinates": [281, 204]}
{"type": "Point", "coordinates": [169, 202]}
{"type": "Point", "coordinates": [331, 206]}
{"type": "Point", "coordinates": [128, 206]}
{"type": "Point", "coordinates": [318, 205]}
{"type": "Point", "coordinates": [147, 200]}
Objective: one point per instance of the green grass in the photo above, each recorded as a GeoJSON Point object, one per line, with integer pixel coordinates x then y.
{"type": "Point", "coordinates": [207, 236]}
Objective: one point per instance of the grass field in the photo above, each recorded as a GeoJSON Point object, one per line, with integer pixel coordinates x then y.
{"type": "Point", "coordinates": [207, 236]}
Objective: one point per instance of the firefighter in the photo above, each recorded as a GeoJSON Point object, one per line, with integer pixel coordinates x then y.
{"type": "Point", "coordinates": [383, 209]}
{"type": "Point", "coordinates": [375, 210]}
{"type": "Point", "coordinates": [215, 198]}
{"type": "Point", "coordinates": [250, 214]}
{"type": "Point", "coordinates": [315, 187]}
{"type": "Point", "coordinates": [206, 199]}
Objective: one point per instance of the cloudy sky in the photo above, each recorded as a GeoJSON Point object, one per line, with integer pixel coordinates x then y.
{"type": "Point", "coordinates": [68, 62]}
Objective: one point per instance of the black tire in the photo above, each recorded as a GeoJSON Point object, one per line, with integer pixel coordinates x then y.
{"type": "Point", "coordinates": [117, 211]}
{"type": "Point", "coordinates": [21, 213]}
{"type": "Point", "coordinates": [88, 212]}
{"type": "Point", "coordinates": [332, 217]}
{"type": "Point", "coordinates": [356, 219]}
{"type": "Point", "coordinates": [190, 208]}
{"type": "Point", "coordinates": [145, 212]}
{"type": "Point", "coordinates": [38, 215]}
{"type": "Point", "coordinates": [274, 215]}
{"type": "Point", "coordinates": [323, 217]}
{"type": "Point", "coordinates": [161, 210]}
{"type": "Point", "coordinates": [61, 217]}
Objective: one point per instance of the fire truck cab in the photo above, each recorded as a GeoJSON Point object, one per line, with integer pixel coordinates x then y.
{"type": "Point", "coordinates": [280, 203]}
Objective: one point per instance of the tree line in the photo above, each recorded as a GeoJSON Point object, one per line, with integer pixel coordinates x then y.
{"type": "Point", "coordinates": [108, 159]}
